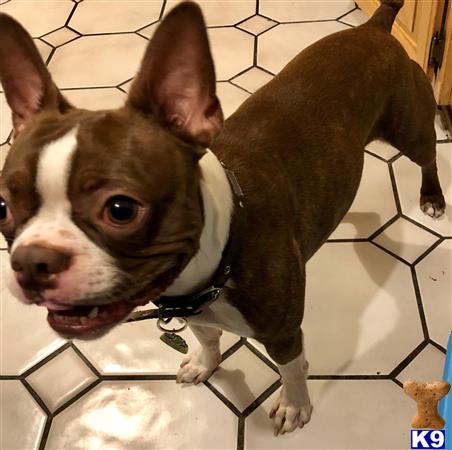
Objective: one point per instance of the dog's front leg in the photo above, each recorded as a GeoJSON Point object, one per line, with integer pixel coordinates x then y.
{"type": "Point", "coordinates": [200, 364]}
{"type": "Point", "coordinates": [293, 407]}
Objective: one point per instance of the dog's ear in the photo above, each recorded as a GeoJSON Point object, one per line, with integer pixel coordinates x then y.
{"type": "Point", "coordinates": [176, 81]}
{"type": "Point", "coordinates": [24, 76]}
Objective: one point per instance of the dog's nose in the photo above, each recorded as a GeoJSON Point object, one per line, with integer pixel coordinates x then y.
{"type": "Point", "coordinates": [34, 266]}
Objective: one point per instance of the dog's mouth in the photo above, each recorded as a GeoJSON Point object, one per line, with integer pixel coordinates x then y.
{"type": "Point", "coordinates": [94, 320]}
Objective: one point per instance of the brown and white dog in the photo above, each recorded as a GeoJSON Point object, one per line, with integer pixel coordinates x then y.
{"type": "Point", "coordinates": [106, 210]}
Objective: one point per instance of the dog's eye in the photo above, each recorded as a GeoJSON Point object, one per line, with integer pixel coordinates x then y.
{"type": "Point", "coordinates": [120, 210]}
{"type": "Point", "coordinates": [5, 213]}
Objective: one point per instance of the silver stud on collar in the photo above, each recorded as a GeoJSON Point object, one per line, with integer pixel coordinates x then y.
{"type": "Point", "coordinates": [227, 270]}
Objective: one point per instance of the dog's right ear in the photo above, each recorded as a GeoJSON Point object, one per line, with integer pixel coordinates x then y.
{"type": "Point", "coordinates": [26, 81]}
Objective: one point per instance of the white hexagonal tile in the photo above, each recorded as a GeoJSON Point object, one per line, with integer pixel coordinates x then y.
{"type": "Point", "coordinates": [382, 149]}
{"type": "Point", "coordinates": [6, 123]}
{"type": "Point", "coordinates": [406, 240]}
{"type": "Point", "coordinates": [94, 60]}
{"type": "Point", "coordinates": [374, 204]}
{"type": "Point", "coordinates": [60, 37]}
{"type": "Point", "coordinates": [231, 97]}
{"type": "Point", "coordinates": [136, 348]}
{"type": "Point", "coordinates": [61, 378]}
{"type": "Point", "coordinates": [39, 20]}
{"type": "Point", "coordinates": [427, 366]}
{"type": "Point", "coordinates": [304, 10]}
{"type": "Point", "coordinates": [361, 311]}
{"type": "Point", "coordinates": [279, 45]}
{"type": "Point", "coordinates": [94, 99]}
{"type": "Point", "coordinates": [345, 416]}
{"type": "Point", "coordinates": [25, 335]}
{"type": "Point", "coordinates": [355, 18]}
{"type": "Point", "coordinates": [232, 51]}
{"type": "Point", "coordinates": [90, 16]}
{"type": "Point", "coordinates": [408, 179]}
{"type": "Point", "coordinates": [242, 377]}
{"type": "Point", "coordinates": [21, 419]}
{"type": "Point", "coordinates": [257, 24]}
{"type": "Point", "coordinates": [434, 277]}
{"type": "Point", "coordinates": [145, 414]}
{"type": "Point", "coordinates": [221, 12]}
{"type": "Point", "coordinates": [253, 79]}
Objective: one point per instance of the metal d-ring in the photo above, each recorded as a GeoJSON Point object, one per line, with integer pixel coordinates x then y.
{"type": "Point", "coordinates": [173, 330]}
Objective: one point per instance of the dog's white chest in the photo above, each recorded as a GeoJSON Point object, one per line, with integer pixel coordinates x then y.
{"type": "Point", "coordinates": [221, 314]}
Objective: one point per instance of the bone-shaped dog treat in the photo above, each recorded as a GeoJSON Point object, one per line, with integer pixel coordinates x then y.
{"type": "Point", "coordinates": [427, 396]}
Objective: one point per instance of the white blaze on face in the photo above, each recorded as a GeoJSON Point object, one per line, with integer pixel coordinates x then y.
{"type": "Point", "coordinates": [91, 270]}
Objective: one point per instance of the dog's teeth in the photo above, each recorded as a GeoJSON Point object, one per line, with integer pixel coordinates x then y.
{"type": "Point", "coordinates": [84, 320]}
{"type": "Point", "coordinates": [93, 313]}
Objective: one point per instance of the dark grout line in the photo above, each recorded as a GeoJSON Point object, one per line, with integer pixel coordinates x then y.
{"type": "Point", "coordinates": [397, 382]}
{"type": "Point", "coordinates": [255, 50]}
{"type": "Point", "coordinates": [257, 6]}
{"type": "Point", "coordinates": [262, 357]}
{"type": "Point", "coordinates": [438, 346]}
{"type": "Point", "coordinates": [384, 227]}
{"type": "Point", "coordinates": [394, 188]}
{"type": "Point", "coordinates": [348, 377]}
{"type": "Point", "coordinates": [347, 13]}
{"type": "Point", "coordinates": [48, 358]}
{"type": "Point", "coordinates": [261, 399]}
{"type": "Point", "coordinates": [264, 70]}
{"type": "Point", "coordinates": [90, 365]}
{"type": "Point", "coordinates": [389, 252]}
{"type": "Point", "coordinates": [223, 398]}
{"type": "Point", "coordinates": [420, 305]}
{"type": "Point", "coordinates": [45, 433]}
{"type": "Point", "coordinates": [408, 360]}
{"type": "Point", "coordinates": [52, 52]}
{"type": "Point", "coordinates": [346, 240]}
{"type": "Point", "coordinates": [76, 397]}
{"type": "Point", "coordinates": [428, 251]}
{"type": "Point", "coordinates": [138, 377]}
{"type": "Point", "coordinates": [162, 11]}
{"type": "Point", "coordinates": [90, 87]}
{"type": "Point", "coordinates": [369, 152]}
{"type": "Point", "coordinates": [230, 351]}
{"type": "Point", "coordinates": [444, 141]}
{"type": "Point", "coordinates": [241, 434]}
{"type": "Point", "coordinates": [71, 14]}
{"type": "Point", "coordinates": [240, 87]}
{"type": "Point", "coordinates": [36, 397]}
{"type": "Point", "coordinates": [420, 225]}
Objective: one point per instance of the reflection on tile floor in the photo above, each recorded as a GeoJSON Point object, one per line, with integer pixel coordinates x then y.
{"type": "Point", "coordinates": [388, 322]}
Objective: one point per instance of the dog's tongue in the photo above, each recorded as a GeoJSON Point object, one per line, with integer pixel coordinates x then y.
{"type": "Point", "coordinates": [83, 320]}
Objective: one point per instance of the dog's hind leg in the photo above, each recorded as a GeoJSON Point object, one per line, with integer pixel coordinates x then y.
{"type": "Point", "coordinates": [293, 407]}
{"type": "Point", "coordinates": [201, 363]}
{"type": "Point", "coordinates": [412, 131]}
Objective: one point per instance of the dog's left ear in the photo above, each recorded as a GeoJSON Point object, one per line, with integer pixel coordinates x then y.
{"type": "Point", "coordinates": [176, 81]}
{"type": "Point", "coordinates": [26, 81]}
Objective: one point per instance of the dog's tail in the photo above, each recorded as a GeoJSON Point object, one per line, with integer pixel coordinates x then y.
{"type": "Point", "coordinates": [385, 15]}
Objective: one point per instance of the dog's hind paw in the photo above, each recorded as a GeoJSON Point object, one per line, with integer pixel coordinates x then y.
{"type": "Point", "coordinates": [433, 205]}
{"type": "Point", "coordinates": [286, 417]}
{"type": "Point", "coordinates": [197, 367]}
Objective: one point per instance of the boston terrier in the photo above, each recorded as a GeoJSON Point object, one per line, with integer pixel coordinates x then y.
{"type": "Point", "coordinates": [105, 211]}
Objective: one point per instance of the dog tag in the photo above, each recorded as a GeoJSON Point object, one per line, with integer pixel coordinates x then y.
{"type": "Point", "coordinates": [175, 341]}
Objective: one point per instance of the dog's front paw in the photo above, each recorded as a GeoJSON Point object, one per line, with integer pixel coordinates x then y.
{"type": "Point", "coordinates": [198, 367]}
{"type": "Point", "coordinates": [287, 416]}
{"type": "Point", "coordinates": [433, 205]}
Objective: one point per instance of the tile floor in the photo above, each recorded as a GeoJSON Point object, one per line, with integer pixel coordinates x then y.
{"type": "Point", "coordinates": [382, 316]}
